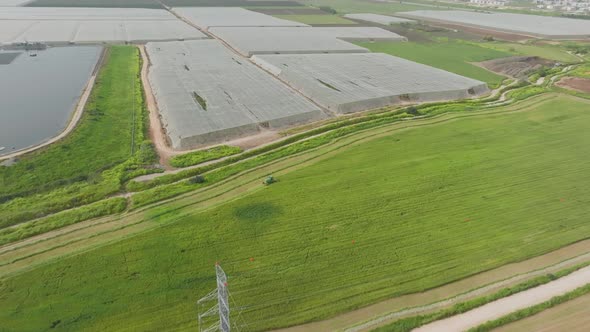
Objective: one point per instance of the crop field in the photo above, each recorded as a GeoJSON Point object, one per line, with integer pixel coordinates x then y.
{"type": "Point", "coordinates": [481, 190]}
{"type": "Point", "coordinates": [582, 71]}
{"type": "Point", "coordinates": [72, 171]}
{"type": "Point", "coordinates": [544, 51]}
{"type": "Point", "coordinates": [454, 56]}
{"type": "Point", "coordinates": [354, 6]}
{"type": "Point", "coordinates": [316, 19]}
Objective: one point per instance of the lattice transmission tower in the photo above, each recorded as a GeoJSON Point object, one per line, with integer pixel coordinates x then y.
{"type": "Point", "coordinates": [221, 308]}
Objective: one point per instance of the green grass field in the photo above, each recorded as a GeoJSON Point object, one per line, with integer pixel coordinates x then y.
{"type": "Point", "coordinates": [544, 51]}
{"type": "Point", "coordinates": [354, 6]}
{"type": "Point", "coordinates": [582, 71]}
{"type": "Point", "coordinates": [201, 156]}
{"type": "Point", "coordinates": [84, 164]}
{"type": "Point", "coordinates": [399, 214]}
{"type": "Point", "coordinates": [316, 19]}
{"type": "Point", "coordinates": [453, 56]}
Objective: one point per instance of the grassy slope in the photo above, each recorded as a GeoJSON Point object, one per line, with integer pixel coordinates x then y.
{"type": "Point", "coordinates": [424, 207]}
{"type": "Point", "coordinates": [316, 19]}
{"type": "Point", "coordinates": [451, 56]}
{"type": "Point", "coordinates": [355, 6]}
{"type": "Point", "coordinates": [545, 51]}
{"type": "Point", "coordinates": [582, 71]}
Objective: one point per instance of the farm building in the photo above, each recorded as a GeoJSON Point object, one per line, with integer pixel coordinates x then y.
{"type": "Point", "coordinates": [301, 40]}
{"type": "Point", "coordinates": [207, 17]}
{"type": "Point", "coordinates": [91, 25]}
{"type": "Point", "coordinates": [379, 19]}
{"type": "Point", "coordinates": [346, 83]}
{"type": "Point", "coordinates": [218, 96]}
{"type": "Point", "coordinates": [541, 26]}
{"type": "Point", "coordinates": [12, 3]}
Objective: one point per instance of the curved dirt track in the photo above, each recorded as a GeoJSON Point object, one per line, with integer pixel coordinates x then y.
{"type": "Point", "coordinates": [75, 117]}
{"type": "Point", "coordinates": [507, 305]}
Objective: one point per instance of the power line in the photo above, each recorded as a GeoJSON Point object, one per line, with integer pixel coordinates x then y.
{"type": "Point", "coordinates": [221, 308]}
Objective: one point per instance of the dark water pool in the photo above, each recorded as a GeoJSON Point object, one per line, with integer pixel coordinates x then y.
{"type": "Point", "coordinates": [38, 94]}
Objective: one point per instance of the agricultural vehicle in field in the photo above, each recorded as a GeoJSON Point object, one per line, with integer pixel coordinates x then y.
{"type": "Point", "coordinates": [269, 180]}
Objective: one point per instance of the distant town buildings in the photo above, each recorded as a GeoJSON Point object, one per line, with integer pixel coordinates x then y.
{"type": "Point", "coordinates": [575, 7]}
{"type": "Point", "coordinates": [569, 6]}
{"type": "Point", "coordinates": [489, 3]}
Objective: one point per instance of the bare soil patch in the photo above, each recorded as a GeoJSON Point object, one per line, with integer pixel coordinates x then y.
{"type": "Point", "coordinates": [517, 66]}
{"type": "Point", "coordinates": [575, 83]}
{"type": "Point", "coordinates": [257, 140]}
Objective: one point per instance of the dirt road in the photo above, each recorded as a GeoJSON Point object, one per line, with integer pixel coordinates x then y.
{"type": "Point", "coordinates": [571, 316]}
{"type": "Point", "coordinates": [157, 134]}
{"type": "Point", "coordinates": [507, 305]}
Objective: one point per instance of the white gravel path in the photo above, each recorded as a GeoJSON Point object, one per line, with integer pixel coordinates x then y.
{"type": "Point", "coordinates": [507, 305]}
